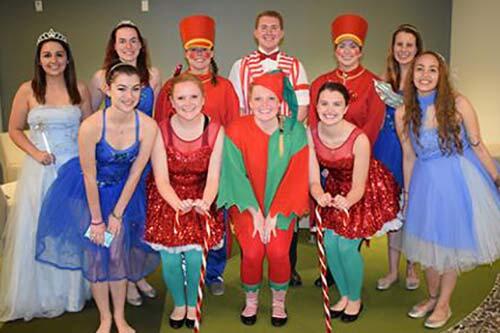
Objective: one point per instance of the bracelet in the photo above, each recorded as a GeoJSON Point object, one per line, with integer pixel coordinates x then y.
{"type": "Point", "coordinates": [96, 221]}
{"type": "Point", "coordinates": [118, 217]}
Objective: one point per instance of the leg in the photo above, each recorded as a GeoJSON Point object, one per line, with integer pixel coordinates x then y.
{"type": "Point", "coordinates": [335, 266]}
{"type": "Point", "coordinates": [442, 311]}
{"type": "Point", "coordinates": [216, 262]}
{"type": "Point", "coordinates": [100, 293]}
{"type": "Point", "coordinates": [295, 279]}
{"type": "Point", "coordinates": [352, 262]}
{"type": "Point", "coordinates": [252, 258]}
{"type": "Point", "coordinates": [118, 291]}
{"type": "Point", "coordinates": [278, 256]}
{"type": "Point", "coordinates": [193, 270]}
{"type": "Point", "coordinates": [412, 279]}
{"type": "Point", "coordinates": [394, 254]}
{"type": "Point", "coordinates": [174, 279]}
{"type": "Point", "coordinates": [433, 281]}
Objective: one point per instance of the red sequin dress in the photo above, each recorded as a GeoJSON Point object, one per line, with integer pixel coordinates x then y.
{"type": "Point", "coordinates": [379, 204]}
{"type": "Point", "coordinates": [187, 168]}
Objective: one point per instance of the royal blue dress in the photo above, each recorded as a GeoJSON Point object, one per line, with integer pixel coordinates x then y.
{"type": "Point", "coordinates": [453, 216]}
{"type": "Point", "coordinates": [65, 217]}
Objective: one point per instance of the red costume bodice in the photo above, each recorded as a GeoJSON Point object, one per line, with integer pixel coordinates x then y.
{"type": "Point", "coordinates": [187, 168]}
{"type": "Point", "coordinates": [379, 203]}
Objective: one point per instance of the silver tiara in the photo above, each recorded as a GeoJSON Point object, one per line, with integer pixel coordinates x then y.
{"type": "Point", "coordinates": [51, 34]}
{"type": "Point", "coordinates": [125, 22]}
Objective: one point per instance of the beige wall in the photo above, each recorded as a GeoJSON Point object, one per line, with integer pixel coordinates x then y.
{"type": "Point", "coordinates": [475, 61]}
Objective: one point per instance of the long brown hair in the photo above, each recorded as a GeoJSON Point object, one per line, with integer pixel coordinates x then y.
{"type": "Point", "coordinates": [393, 72]}
{"type": "Point", "coordinates": [112, 58]}
{"type": "Point", "coordinates": [39, 81]}
{"type": "Point", "coordinates": [447, 117]}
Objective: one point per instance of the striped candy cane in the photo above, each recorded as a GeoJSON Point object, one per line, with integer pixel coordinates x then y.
{"type": "Point", "coordinates": [323, 268]}
{"type": "Point", "coordinates": [201, 284]}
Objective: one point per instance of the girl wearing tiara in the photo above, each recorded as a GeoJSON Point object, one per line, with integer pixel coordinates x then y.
{"type": "Point", "coordinates": [93, 216]}
{"type": "Point", "coordinates": [126, 44]}
{"type": "Point", "coordinates": [53, 103]}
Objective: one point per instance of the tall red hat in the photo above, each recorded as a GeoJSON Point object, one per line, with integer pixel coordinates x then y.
{"type": "Point", "coordinates": [197, 31]}
{"type": "Point", "coordinates": [349, 26]}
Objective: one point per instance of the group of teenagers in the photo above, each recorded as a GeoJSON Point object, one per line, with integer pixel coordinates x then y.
{"type": "Point", "coordinates": [107, 193]}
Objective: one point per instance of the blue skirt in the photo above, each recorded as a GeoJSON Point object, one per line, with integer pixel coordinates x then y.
{"type": "Point", "coordinates": [65, 217]}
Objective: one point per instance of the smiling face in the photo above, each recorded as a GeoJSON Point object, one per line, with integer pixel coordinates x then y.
{"type": "Point", "coordinates": [404, 48]}
{"type": "Point", "coordinates": [53, 58]}
{"type": "Point", "coordinates": [348, 55]}
{"type": "Point", "coordinates": [331, 107]}
{"type": "Point", "coordinates": [426, 73]}
{"type": "Point", "coordinates": [268, 33]}
{"type": "Point", "coordinates": [199, 59]}
{"type": "Point", "coordinates": [264, 103]}
{"type": "Point", "coordinates": [187, 99]}
{"type": "Point", "coordinates": [127, 45]}
{"type": "Point", "coordinates": [125, 92]}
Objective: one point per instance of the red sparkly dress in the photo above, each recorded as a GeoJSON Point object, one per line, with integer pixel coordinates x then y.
{"type": "Point", "coordinates": [187, 168]}
{"type": "Point", "coordinates": [379, 204]}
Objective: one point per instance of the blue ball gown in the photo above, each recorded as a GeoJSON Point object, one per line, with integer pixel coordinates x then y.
{"type": "Point", "coordinates": [29, 289]}
{"type": "Point", "coordinates": [65, 217]}
{"type": "Point", "coordinates": [453, 216]}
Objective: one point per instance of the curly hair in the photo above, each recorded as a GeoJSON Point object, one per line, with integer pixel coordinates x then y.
{"type": "Point", "coordinates": [392, 70]}
{"type": "Point", "coordinates": [447, 117]}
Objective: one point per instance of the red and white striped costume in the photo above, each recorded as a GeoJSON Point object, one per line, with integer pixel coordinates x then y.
{"type": "Point", "coordinates": [252, 65]}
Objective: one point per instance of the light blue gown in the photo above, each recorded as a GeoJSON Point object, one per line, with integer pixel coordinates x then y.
{"type": "Point", "coordinates": [27, 288]}
{"type": "Point", "coordinates": [453, 216]}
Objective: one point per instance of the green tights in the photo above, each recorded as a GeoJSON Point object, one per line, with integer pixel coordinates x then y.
{"type": "Point", "coordinates": [345, 263]}
{"type": "Point", "coordinates": [174, 277]}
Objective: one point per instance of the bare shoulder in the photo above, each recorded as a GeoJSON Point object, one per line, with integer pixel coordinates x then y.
{"type": "Point", "coordinates": [25, 89]}
{"type": "Point", "coordinates": [155, 72]}
{"type": "Point", "coordinates": [147, 123]}
{"type": "Point", "coordinates": [362, 141]}
{"type": "Point", "coordinates": [400, 112]}
{"type": "Point", "coordinates": [92, 124]}
{"type": "Point", "coordinates": [82, 87]}
{"type": "Point", "coordinates": [462, 102]}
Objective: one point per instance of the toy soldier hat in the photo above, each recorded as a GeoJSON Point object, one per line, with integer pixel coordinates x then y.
{"type": "Point", "coordinates": [349, 26]}
{"type": "Point", "coordinates": [197, 31]}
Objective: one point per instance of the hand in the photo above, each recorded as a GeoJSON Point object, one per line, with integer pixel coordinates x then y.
{"type": "Point", "coordinates": [258, 223]}
{"type": "Point", "coordinates": [114, 225]}
{"type": "Point", "coordinates": [340, 202]}
{"type": "Point", "coordinates": [97, 233]}
{"type": "Point", "coordinates": [201, 207]}
{"type": "Point", "coordinates": [184, 206]}
{"type": "Point", "coordinates": [44, 157]}
{"type": "Point", "coordinates": [325, 199]}
{"type": "Point", "coordinates": [269, 228]}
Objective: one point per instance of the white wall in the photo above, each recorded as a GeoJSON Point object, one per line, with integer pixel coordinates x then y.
{"type": "Point", "coordinates": [475, 62]}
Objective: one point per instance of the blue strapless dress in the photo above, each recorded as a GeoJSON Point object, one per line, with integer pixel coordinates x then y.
{"type": "Point", "coordinates": [65, 217]}
{"type": "Point", "coordinates": [453, 215]}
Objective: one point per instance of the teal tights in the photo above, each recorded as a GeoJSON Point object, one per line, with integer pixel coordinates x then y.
{"type": "Point", "coordinates": [174, 277]}
{"type": "Point", "coordinates": [345, 263]}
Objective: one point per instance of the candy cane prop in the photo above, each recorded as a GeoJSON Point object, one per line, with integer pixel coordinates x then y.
{"type": "Point", "coordinates": [201, 284]}
{"type": "Point", "coordinates": [323, 268]}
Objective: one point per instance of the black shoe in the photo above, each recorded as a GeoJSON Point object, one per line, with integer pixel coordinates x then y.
{"type": "Point", "coordinates": [249, 321]}
{"type": "Point", "coordinates": [348, 318]}
{"type": "Point", "coordinates": [190, 323]}
{"type": "Point", "coordinates": [278, 322]}
{"type": "Point", "coordinates": [295, 280]}
{"type": "Point", "coordinates": [176, 324]}
{"type": "Point", "coordinates": [335, 314]}
{"type": "Point", "coordinates": [329, 282]}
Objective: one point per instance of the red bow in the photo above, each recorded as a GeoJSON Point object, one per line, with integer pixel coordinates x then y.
{"type": "Point", "coordinates": [272, 56]}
